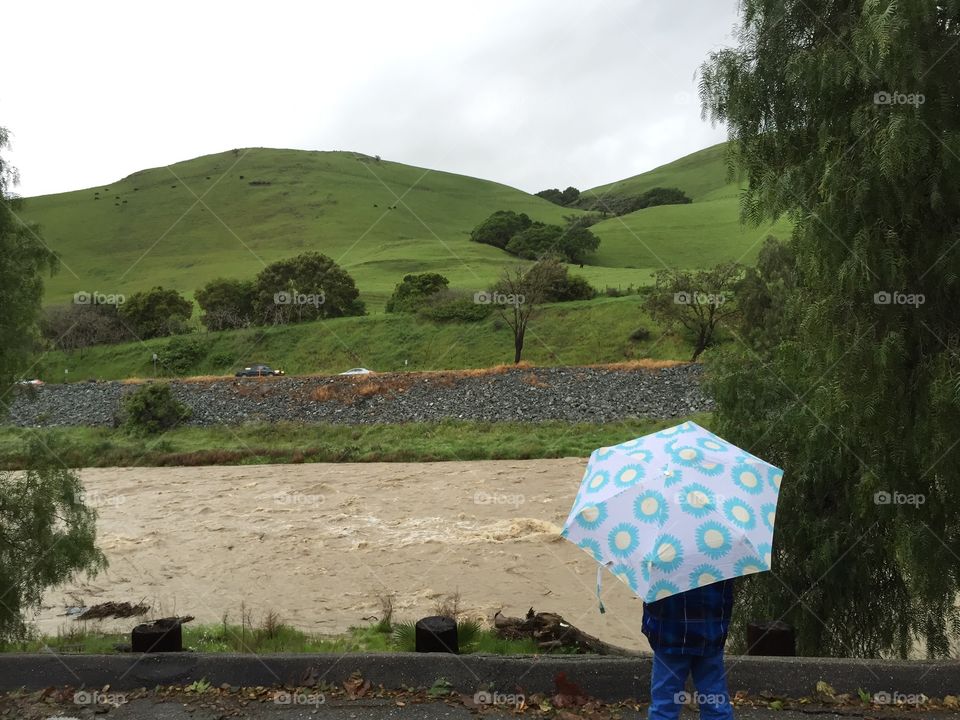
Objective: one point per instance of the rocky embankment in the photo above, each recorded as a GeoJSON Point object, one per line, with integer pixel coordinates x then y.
{"type": "Point", "coordinates": [574, 394]}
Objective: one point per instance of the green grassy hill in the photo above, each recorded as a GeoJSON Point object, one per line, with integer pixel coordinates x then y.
{"type": "Point", "coordinates": [699, 174]}
{"type": "Point", "coordinates": [262, 205]}
{"type": "Point", "coordinates": [228, 214]}
{"type": "Point", "coordinates": [703, 233]}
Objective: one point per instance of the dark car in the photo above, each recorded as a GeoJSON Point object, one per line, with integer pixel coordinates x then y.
{"type": "Point", "coordinates": [258, 370]}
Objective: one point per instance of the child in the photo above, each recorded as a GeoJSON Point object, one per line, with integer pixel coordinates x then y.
{"type": "Point", "coordinates": [687, 632]}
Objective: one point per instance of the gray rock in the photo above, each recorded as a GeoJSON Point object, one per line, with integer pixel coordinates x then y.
{"type": "Point", "coordinates": [525, 395]}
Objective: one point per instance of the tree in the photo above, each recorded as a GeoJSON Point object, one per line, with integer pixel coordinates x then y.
{"type": "Point", "coordinates": [409, 295]}
{"type": "Point", "coordinates": [226, 303]}
{"type": "Point", "coordinates": [843, 116]}
{"type": "Point", "coordinates": [76, 327]}
{"type": "Point", "coordinates": [309, 286]}
{"type": "Point", "coordinates": [573, 243]}
{"type": "Point", "coordinates": [698, 300]}
{"type": "Point", "coordinates": [553, 195]}
{"type": "Point", "coordinates": [497, 229]}
{"type": "Point", "coordinates": [156, 312]}
{"type": "Point", "coordinates": [558, 285]}
{"type": "Point", "coordinates": [568, 197]}
{"type": "Point", "coordinates": [24, 259]}
{"type": "Point", "coordinates": [517, 297]}
{"type": "Point", "coordinates": [576, 243]}
{"type": "Point", "coordinates": [47, 533]}
{"type": "Point", "coordinates": [623, 204]}
{"type": "Point", "coordinates": [763, 297]}
{"type": "Point", "coordinates": [520, 236]}
{"type": "Point", "coordinates": [537, 240]}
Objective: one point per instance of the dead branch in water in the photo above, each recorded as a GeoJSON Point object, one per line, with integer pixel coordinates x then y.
{"type": "Point", "coordinates": [551, 632]}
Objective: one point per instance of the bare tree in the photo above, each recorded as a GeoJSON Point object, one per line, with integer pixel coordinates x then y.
{"type": "Point", "coordinates": [517, 297]}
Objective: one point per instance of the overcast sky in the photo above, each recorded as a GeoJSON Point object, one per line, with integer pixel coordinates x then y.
{"type": "Point", "coordinates": [532, 93]}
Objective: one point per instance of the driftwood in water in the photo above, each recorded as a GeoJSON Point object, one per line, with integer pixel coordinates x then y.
{"type": "Point", "coordinates": [113, 609]}
{"type": "Point", "coordinates": [551, 632]}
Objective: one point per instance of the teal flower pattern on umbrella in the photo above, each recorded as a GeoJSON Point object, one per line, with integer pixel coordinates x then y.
{"type": "Point", "coordinates": [713, 540]}
{"type": "Point", "coordinates": [765, 551]}
{"type": "Point", "coordinates": [704, 575]}
{"type": "Point", "coordinates": [623, 540]}
{"type": "Point", "coordinates": [592, 516]}
{"type": "Point", "coordinates": [627, 574]}
{"type": "Point", "coordinates": [672, 477]}
{"type": "Point", "coordinates": [698, 500]}
{"type": "Point", "coordinates": [660, 590]}
{"type": "Point", "coordinates": [712, 444]}
{"type": "Point", "coordinates": [677, 430]}
{"type": "Point", "coordinates": [667, 553]}
{"type": "Point", "coordinates": [748, 478]}
{"type": "Point", "coordinates": [592, 547]}
{"type": "Point", "coordinates": [597, 481]}
{"type": "Point", "coordinates": [651, 507]}
{"type": "Point", "coordinates": [740, 513]}
{"type": "Point", "coordinates": [749, 565]}
{"type": "Point", "coordinates": [629, 475]}
{"type": "Point", "coordinates": [768, 513]}
{"type": "Point", "coordinates": [774, 476]}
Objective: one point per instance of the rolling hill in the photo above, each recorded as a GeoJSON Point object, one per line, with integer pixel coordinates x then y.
{"type": "Point", "coordinates": [703, 233]}
{"type": "Point", "coordinates": [230, 213]}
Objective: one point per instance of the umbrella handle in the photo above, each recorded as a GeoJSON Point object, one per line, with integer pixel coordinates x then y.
{"type": "Point", "coordinates": [599, 581]}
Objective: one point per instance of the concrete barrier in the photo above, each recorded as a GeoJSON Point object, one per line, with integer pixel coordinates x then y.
{"type": "Point", "coordinates": [606, 678]}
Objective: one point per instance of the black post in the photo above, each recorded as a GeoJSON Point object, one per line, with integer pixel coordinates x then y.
{"type": "Point", "coordinates": [162, 635]}
{"type": "Point", "coordinates": [437, 634]}
{"type": "Point", "coordinates": [771, 638]}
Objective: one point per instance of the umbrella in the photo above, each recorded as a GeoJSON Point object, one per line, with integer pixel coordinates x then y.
{"type": "Point", "coordinates": [675, 510]}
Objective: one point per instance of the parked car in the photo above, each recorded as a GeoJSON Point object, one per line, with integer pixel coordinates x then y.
{"type": "Point", "coordinates": [258, 370]}
{"type": "Point", "coordinates": [357, 371]}
{"type": "Point", "coordinates": [35, 381]}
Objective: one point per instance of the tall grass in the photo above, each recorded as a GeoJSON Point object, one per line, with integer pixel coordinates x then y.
{"type": "Point", "coordinates": [294, 443]}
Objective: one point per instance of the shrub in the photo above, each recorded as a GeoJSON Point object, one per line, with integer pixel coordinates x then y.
{"type": "Point", "coordinates": [180, 355]}
{"type": "Point", "coordinates": [639, 335]}
{"type": "Point", "coordinates": [156, 312]}
{"type": "Point", "coordinates": [557, 282]}
{"type": "Point", "coordinates": [226, 303]}
{"type": "Point", "coordinates": [152, 409]}
{"type": "Point", "coordinates": [414, 290]}
{"type": "Point", "coordinates": [497, 229]}
{"type": "Point", "coordinates": [454, 306]}
{"type": "Point", "coordinates": [623, 204]}
{"type": "Point", "coordinates": [222, 360]}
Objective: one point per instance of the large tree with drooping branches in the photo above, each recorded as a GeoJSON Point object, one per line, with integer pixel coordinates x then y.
{"type": "Point", "coordinates": [844, 115]}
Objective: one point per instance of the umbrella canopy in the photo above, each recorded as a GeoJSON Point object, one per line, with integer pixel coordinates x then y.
{"type": "Point", "coordinates": [675, 510]}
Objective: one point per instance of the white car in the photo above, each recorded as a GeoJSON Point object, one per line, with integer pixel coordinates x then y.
{"type": "Point", "coordinates": [357, 371]}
